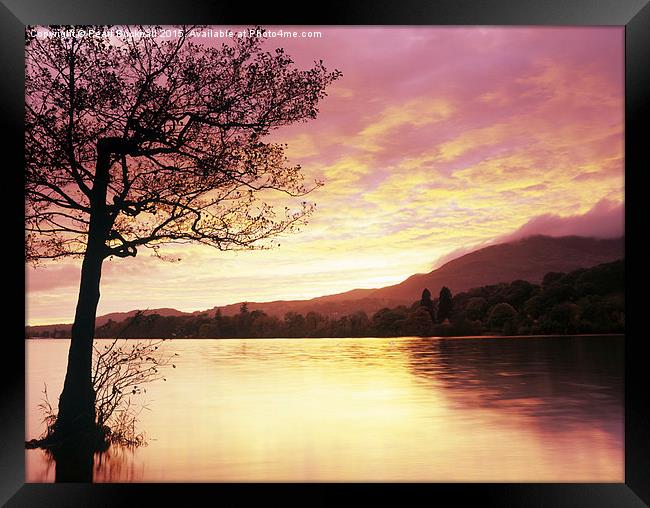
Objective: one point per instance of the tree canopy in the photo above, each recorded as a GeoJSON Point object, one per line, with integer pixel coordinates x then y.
{"type": "Point", "coordinates": [445, 304]}
{"type": "Point", "coordinates": [162, 138]}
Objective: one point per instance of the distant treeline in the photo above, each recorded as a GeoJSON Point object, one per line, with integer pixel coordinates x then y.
{"type": "Point", "coordinates": [583, 301]}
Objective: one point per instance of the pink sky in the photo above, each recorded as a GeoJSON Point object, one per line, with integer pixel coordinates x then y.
{"type": "Point", "coordinates": [433, 141]}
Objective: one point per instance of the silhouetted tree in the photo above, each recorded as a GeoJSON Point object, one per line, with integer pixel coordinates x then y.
{"type": "Point", "coordinates": [502, 315]}
{"type": "Point", "coordinates": [313, 323]}
{"type": "Point", "coordinates": [427, 303]}
{"type": "Point", "coordinates": [562, 318]}
{"type": "Point", "coordinates": [359, 324]}
{"type": "Point", "coordinates": [295, 324]}
{"type": "Point", "coordinates": [384, 321]}
{"type": "Point", "coordinates": [551, 278]}
{"type": "Point", "coordinates": [418, 323]}
{"type": "Point", "coordinates": [475, 308]}
{"type": "Point", "coordinates": [137, 142]}
{"type": "Point", "coordinates": [534, 307]}
{"type": "Point", "coordinates": [445, 304]}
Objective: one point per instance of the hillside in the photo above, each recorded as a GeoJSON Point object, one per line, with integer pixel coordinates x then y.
{"type": "Point", "coordinates": [63, 330]}
{"type": "Point", "coordinates": [526, 259]}
{"type": "Point", "coordinates": [586, 300]}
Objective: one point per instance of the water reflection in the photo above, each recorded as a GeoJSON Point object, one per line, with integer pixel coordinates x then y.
{"type": "Point", "coordinates": [399, 409]}
{"type": "Point", "coordinates": [559, 382]}
{"type": "Point", "coordinates": [74, 464]}
{"type": "Point", "coordinates": [118, 462]}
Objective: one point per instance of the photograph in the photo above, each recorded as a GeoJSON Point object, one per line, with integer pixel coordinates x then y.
{"type": "Point", "coordinates": [308, 254]}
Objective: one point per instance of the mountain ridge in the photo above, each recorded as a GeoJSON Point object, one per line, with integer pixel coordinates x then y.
{"type": "Point", "coordinates": [529, 259]}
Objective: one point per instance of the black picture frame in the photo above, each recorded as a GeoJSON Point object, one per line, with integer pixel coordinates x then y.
{"type": "Point", "coordinates": [633, 14]}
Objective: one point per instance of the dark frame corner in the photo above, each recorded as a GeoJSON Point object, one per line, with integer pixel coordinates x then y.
{"type": "Point", "coordinates": [634, 15]}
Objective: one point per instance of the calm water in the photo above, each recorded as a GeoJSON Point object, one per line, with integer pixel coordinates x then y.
{"type": "Point", "coordinates": [398, 409]}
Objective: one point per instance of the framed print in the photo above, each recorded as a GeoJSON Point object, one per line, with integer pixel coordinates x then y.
{"type": "Point", "coordinates": [381, 251]}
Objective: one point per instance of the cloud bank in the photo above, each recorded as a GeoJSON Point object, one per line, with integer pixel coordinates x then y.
{"type": "Point", "coordinates": [605, 220]}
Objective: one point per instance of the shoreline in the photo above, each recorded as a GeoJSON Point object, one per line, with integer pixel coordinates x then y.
{"type": "Point", "coordinates": [347, 338]}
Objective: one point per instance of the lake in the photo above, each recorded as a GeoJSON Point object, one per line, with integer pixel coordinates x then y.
{"type": "Point", "coordinates": [534, 409]}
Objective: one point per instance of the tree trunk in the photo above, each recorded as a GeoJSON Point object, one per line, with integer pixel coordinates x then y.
{"type": "Point", "coordinates": [76, 416]}
{"type": "Point", "coordinates": [77, 401]}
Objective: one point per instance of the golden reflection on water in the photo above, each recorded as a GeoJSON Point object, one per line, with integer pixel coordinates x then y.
{"type": "Point", "coordinates": [407, 409]}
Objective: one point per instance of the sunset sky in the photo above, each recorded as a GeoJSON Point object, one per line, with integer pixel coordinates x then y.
{"type": "Point", "coordinates": [434, 141]}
